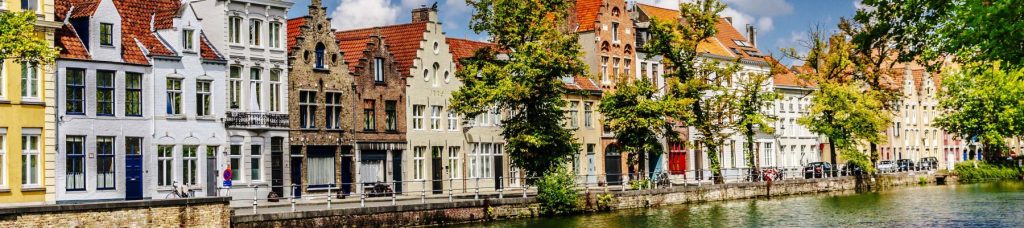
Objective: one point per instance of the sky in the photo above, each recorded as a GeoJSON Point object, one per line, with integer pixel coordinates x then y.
{"type": "Point", "coordinates": [780, 23]}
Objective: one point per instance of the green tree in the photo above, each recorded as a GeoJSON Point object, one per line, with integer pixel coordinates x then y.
{"type": "Point", "coordinates": [927, 30]}
{"type": "Point", "coordinates": [556, 192]}
{"type": "Point", "coordinates": [983, 102]}
{"type": "Point", "coordinates": [537, 51]}
{"type": "Point", "coordinates": [20, 40]}
{"type": "Point", "coordinates": [755, 99]}
{"type": "Point", "coordinates": [638, 117]}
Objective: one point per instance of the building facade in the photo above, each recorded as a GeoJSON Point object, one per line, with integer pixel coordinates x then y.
{"type": "Point", "coordinates": [797, 145]}
{"type": "Point", "coordinates": [912, 135]}
{"type": "Point", "coordinates": [320, 119]}
{"type": "Point", "coordinates": [251, 36]}
{"type": "Point", "coordinates": [584, 116]}
{"type": "Point", "coordinates": [27, 125]}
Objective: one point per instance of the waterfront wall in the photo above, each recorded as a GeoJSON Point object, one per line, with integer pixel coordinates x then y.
{"type": "Point", "coordinates": [195, 212]}
{"type": "Point", "coordinates": [510, 208]}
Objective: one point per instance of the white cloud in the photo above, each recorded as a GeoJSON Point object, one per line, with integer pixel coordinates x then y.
{"type": "Point", "coordinates": [765, 24]}
{"type": "Point", "coordinates": [858, 5]}
{"type": "Point", "coordinates": [796, 40]}
{"type": "Point", "coordinates": [412, 4]}
{"type": "Point", "coordinates": [352, 14]}
{"type": "Point", "coordinates": [761, 8]}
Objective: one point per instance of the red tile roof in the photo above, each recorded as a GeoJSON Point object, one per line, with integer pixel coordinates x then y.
{"type": "Point", "coordinates": [580, 83]}
{"type": "Point", "coordinates": [353, 44]}
{"type": "Point", "coordinates": [136, 16]}
{"type": "Point", "coordinates": [463, 48]}
{"type": "Point", "coordinates": [294, 29]}
{"type": "Point", "coordinates": [71, 46]}
{"type": "Point", "coordinates": [586, 14]}
{"type": "Point", "coordinates": [403, 41]}
{"type": "Point", "coordinates": [726, 36]}
{"type": "Point", "coordinates": [206, 51]}
{"type": "Point", "coordinates": [131, 51]}
{"type": "Point", "coordinates": [82, 8]}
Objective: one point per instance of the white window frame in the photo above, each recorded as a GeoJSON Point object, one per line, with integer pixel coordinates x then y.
{"type": "Point", "coordinates": [454, 171]}
{"type": "Point", "coordinates": [417, 116]}
{"type": "Point", "coordinates": [3, 76]}
{"type": "Point", "coordinates": [334, 106]}
{"type": "Point", "coordinates": [255, 32]}
{"type": "Point", "coordinates": [256, 162]}
{"type": "Point", "coordinates": [3, 157]}
{"type": "Point", "coordinates": [615, 32]}
{"type": "Point", "coordinates": [165, 158]}
{"type": "Point", "coordinates": [453, 121]}
{"type": "Point", "coordinates": [275, 34]}
{"type": "Point", "coordinates": [309, 107]}
{"type": "Point", "coordinates": [435, 117]}
{"type": "Point", "coordinates": [418, 158]}
{"type": "Point", "coordinates": [174, 91]}
{"type": "Point", "coordinates": [378, 70]}
{"type": "Point", "coordinates": [237, 172]}
{"type": "Point", "coordinates": [604, 70]}
{"type": "Point", "coordinates": [234, 30]}
{"type": "Point", "coordinates": [574, 114]}
{"type": "Point", "coordinates": [235, 87]}
{"type": "Point", "coordinates": [256, 88]}
{"type": "Point", "coordinates": [588, 114]}
{"type": "Point", "coordinates": [473, 160]}
{"type": "Point", "coordinates": [188, 39]}
{"type": "Point", "coordinates": [275, 90]}
{"type": "Point", "coordinates": [30, 82]}
{"type": "Point", "coordinates": [31, 150]}
{"type": "Point", "coordinates": [190, 165]}
{"type": "Point", "coordinates": [204, 99]}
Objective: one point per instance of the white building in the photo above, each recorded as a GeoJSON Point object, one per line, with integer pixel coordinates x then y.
{"type": "Point", "coordinates": [252, 36]}
{"type": "Point", "coordinates": [797, 145]}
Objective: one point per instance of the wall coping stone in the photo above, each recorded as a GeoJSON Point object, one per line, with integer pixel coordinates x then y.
{"type": "Point", "coordinates": [63, 208]}
{"type": "Point", "coordinates": [238, 219]}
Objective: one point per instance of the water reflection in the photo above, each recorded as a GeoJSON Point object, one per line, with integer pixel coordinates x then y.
{"type": "Point", "coordinates": [997, 204]}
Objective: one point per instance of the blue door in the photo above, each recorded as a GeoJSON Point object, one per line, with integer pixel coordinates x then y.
{"type": "Point", "coordinates": [133, 177]}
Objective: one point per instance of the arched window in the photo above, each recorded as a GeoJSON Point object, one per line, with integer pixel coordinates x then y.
{"type": "Point", "coordinates": [320, 56]}
{"type": "Point", "coordinates": [437, 80]}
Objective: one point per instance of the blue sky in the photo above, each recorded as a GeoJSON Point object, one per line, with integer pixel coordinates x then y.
{"type": "Point", "coordinates": [781, 23]}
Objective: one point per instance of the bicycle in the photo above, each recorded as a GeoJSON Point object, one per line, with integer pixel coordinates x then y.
{"type": "Point", "coordinates": [179, 191]}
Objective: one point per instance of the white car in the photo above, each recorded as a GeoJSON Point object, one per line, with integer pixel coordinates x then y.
{"type": "Point", "coordinates": [886, 166]}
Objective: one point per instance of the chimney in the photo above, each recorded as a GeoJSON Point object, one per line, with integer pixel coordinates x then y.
{"type": "Point", "coordinates": [425, 14]}
{"type": "Point", "coordinates": [752, 35]}
{"type": "Point", "coordinates": [729, 19]}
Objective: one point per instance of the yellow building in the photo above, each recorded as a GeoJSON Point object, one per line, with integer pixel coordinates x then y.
{"type": "Point", "coordinates": [26, 118]}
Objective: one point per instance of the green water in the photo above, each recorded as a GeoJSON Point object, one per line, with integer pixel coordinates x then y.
{"type": "Point", "coordinates": [997, 204]}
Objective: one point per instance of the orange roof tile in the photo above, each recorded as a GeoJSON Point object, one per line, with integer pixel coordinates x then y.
{"type": "Point", "coordinates": [581, 83]}
{"type": "Point", "coordinates": [294, 29]}
{"type": "Point", "coordinates": [82, 8]}
{"type": "Point", "coordinates": [71, 47]}
{"type": "Point", "coordinates": [728, 35]}
{"type": "Point", "coordinates": [206, 50]}
{"type": "Point", "coordinates": [131, 51]}
{"type": "Point", "coordinates": [714, 46]}
{"type": "Point", "coordinates": [463, 48]}
{"type": "Point", "coordinates": [136, 16]}
{"type": "Point", "coordinates": [403, 41]}
{"type": "Point", "coordinates": [658, 12]}
{"type": "Point", "coordinates": [353, 44]}
{"type": "Point", "coordinates": [586, 14]}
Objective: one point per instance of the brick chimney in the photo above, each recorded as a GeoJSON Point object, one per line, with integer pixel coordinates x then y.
{"type": "Point", "coordinates": [425, 14]}
{"type": "Point", "coordinates": [752, 35]}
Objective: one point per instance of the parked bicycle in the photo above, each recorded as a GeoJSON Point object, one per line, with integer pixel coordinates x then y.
{"type": "Point", "coordinates": [179, 191]}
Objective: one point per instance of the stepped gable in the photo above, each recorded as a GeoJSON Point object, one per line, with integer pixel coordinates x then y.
{"type": "Point", "coordinates": [294, 29]}
{"type": "Point", "coordinates": [352, 45]}
{"type": "Point", "coordinates": [403, 41]}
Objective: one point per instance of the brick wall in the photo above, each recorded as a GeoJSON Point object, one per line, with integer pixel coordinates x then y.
{"type": "Point", "coordinates": [205, 212]}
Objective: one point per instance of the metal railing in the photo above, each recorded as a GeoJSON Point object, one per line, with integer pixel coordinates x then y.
{"type": "Point", "coordinates": [260, 120]}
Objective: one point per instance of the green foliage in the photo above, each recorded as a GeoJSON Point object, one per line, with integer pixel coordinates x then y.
{"type": "Point", "coordinates": [640, 184]}
{"type": "Point", "coordinates": [637, 117]}
{"type": "Point", "coordinates": [973, 30]}
{"type": "Point", "coordinates": [973, 171]}
{"type": "Point", "coordinates": [922, 180]}
{"type": "Point", "coordinates": [986, 102]}
{"type": "Point", "coordinates": [754, 101]}
{"type": "Point", "coordinates": [19, 39]}
{"type": "Point", "coordinates": [847, 115]}
{"type": "Point", "coordinates": [604, 201]}
{"type": "Point", "coordinates": [556, 192]}
{"type": "Point", "coordinates": [526, 81]}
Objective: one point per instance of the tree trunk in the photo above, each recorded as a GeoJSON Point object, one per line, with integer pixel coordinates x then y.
{"type": "Point", "coordinates": [832, 150]}
{"type": "Point", "coordinates": [715, 164]}
{"type": "Point", "coordinates": [751, 154]}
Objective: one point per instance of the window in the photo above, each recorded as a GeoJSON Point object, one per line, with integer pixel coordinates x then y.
{"type": "Point", "coordinates": [2, 75]}
{"type": "Point", "coordinates": [320, 171]}
{"type": "Point", "coordinates": [189, 165]}
{"type": "Point", "coordinates": [655, 76]}
{"type": "Point", "coordinates": [75, 98]}
{"type": "Point", "coordinates": [473, 156]}
{"type": "Point", "coordinates": [104, 93]}
{"type": "Point", "coordinates": [604, 69]}
{"type": "Point", "coordinates": [615, 68]}
{"type": "Point", "coordinates": [334, 110]}
{"type": "Point", "coordinates": [106, 34]}
{"type": "Point", "coordinates": [133, 146]}
{"type": "Point", "coordinates": [496, 116]}
{"type": "Point", "coordinates": [3, 157]}
{"type": "Point", "coordinates": [391, 115]}
{"type": "Point", "coordinates": [105, 171]}
{"type": "Point", "coordinates": [165, 156]}
{"type": "Point", "coordinates": [453, 121]}
{"type": "Point", "coordinates": [417, 162]}
{"type": "Point", "coordinates": [255, 27]}
{"type": "Point", "coordinates": [417, 116]}
{"type": "Point", "coordinates": [275, 35]}
{"type": "Point", "coordinates": [133, 94]}
{"type": "Point", "coordinates": [626, 69]}
{"type": "Point", "coordinates": [307, 109]}
{"type": "Point", "coordinates": [435, 117]}
{"type": "Point", "coordinates": [235, 161]}
{"type": "Point", "coordinates": [187, 39]}
{"type": "Point", "coordinates": [588, 113]}
{"type": "Point", "coordinates": [275, 90]}
{"type": "Point", "coordinates": [203, 100]}
{"type": "Point", "coordinates": [437, 81]}
{"type": "Point", "coordinates": [235, 87]}
{"type": "Point", "coordinates": [29, 81]}
{"type": "Point", "coordinates": [615, 31]}
{"type": "Point", "coordinates": [234, 30]}
{"type": "Point", "coordinates": [30, 160]}
{"type": "Point", "coordinates": [256, 162]}
{"type": "Point", "coordinates": [173, 96]}
{"type": "Point", "coordinates": [574, 114]}
{"type": "Point", "coordinates": [320, 64]}
{"type": "Point", "coordinates": [378, 70]}
{"type": "Point", "coordinates": [369, 122]}
{"type": "Point", "coordinates": [453, 162]}
{"type": "Point", "coordinates": [74, 166]}
{"type": "Point", "coordinates": [30, 5]}
{"type": "Point", "coordinates": [256, 87]}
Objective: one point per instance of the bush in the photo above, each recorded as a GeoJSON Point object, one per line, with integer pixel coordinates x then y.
{"type": "Point", "coordinates": [974, 171]}
{"type": "Point", "coordinates": [604, 201]}
{"type": "Point", "coordinates": [556, 192]}
{"type": "Point", "coordinates": [640, 184]}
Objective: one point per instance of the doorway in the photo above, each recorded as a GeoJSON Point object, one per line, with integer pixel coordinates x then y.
{"type": "Point", "coordinates": [436, 169]}
{"type": "Point", "coordinates": [613, 165]}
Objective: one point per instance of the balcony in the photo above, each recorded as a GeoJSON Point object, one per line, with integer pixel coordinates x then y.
{"type": "Point", "coordinates": [256, 120]}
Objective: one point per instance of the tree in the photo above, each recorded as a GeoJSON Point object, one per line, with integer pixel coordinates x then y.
{"type": "Point", "coordinates": [526, 81]}
{"type": "Point", "coordinates": [986, 103]}
{"type": "Point", "coordinates": [754, 100]}
{"type": "Point", "coordinates": [925, 30]}
{"type": "Point", "coordinates": [638, 117]}
{"type": "Point", "coordinates": [19, 39]}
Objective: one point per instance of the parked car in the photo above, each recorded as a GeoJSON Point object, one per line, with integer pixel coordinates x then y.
{"type": "Point", "coordinates": [886, 166]}
{"type": "Point", "coordinates": [905, 164]}
{"type": "Point", "coordinates": [851, 169]}
{"type": "Point", "coordinates": [928, 163]}
{"type": "Point", "coordinates": [817, 170]}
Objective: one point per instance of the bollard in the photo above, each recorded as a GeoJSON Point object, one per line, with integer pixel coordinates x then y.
{"type": "Point", "coordinates": [451, 188]}
{"type": "Point", "coordinates": [255, 193]}
{"type": "Point", "coordinates": [362, 199]}
{"type": "Point", "coordinates": [423, 191]}
{"type": "Point", "coordinates": [501, 190]}
{"type": "Point", "coordinates": [393, 197]}
{"type": "Point", "coordinates": [524, 187]}
{"type": "Point", "coordinates": [328, 198]}
{"type": "Point", "coordinates": [476, 196]}
{"type": "Point", "coordinates": [293, 197]}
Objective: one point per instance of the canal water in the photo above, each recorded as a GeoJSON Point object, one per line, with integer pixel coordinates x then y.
{"type": "Point", "coordinates": [996, 204]}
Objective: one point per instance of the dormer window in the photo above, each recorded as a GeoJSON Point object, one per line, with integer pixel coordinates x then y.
{"type": "Point", "coordinates": [188, 39]}
{"type": "Point", "coordinates": [741, 43]}
{"type": "Point", "coordinates": [106, 34]}
{"type": "Point", "coordinates": [320, 64]}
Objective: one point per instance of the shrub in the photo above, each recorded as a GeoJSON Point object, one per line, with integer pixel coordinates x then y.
{"type": "Point", "coordinates": [604, 201]}
{"type": "Point", "coordinates": [556, 192]}
{"type": "Point", "coordinates": [640, 184]}
{"type": "Point", "coordinates": [974, 171]}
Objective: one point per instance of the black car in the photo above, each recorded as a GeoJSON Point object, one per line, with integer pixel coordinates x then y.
{"type": "Point", "coordinates": [905, 164]}
{"type": "Point", "coordinates": [928, 163]}
{"type": "Point", "coordinates": [851, 169]}
{"type": "Point", "coordinates": [817, 170]}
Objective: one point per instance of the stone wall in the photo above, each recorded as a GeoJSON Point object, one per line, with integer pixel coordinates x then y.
{"type": "Point", "coordinates": [196, 212]}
